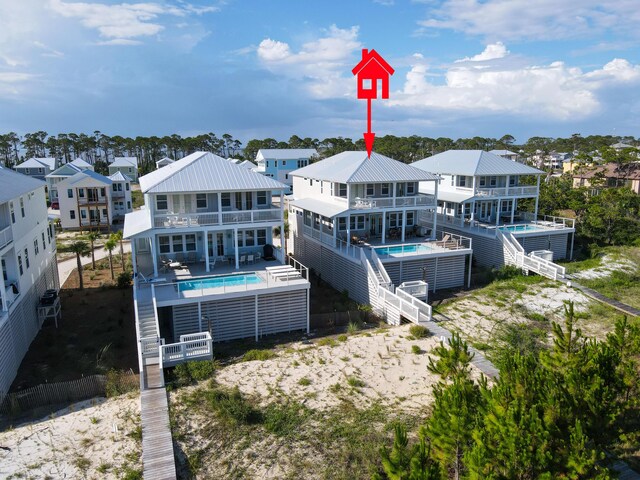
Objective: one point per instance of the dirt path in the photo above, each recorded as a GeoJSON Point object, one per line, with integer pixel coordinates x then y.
{"type": "Point", "coordinates": [65, 267]}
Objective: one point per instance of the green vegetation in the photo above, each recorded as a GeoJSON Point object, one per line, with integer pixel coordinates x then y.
{"type": "Point", "coordinates": [304, 381]}
{"type": "Point", "coordinates": [620, 285]}
{"type": "Point", "coordinates": [190, 372]}
{"type": "Point", "coordinates": [354, 327]}
{"type": "Point", "coordinates": [355, 382]}
{"type": "Point", "coordinates": [416, 350]}
{"type": "Point", "coordinates": [419, 331]}
{"type": "Point", "coordinates": [137, 199]}
{"type": "Point", "coordinates": [258, 354]}
{"type": "Point", "coordinates": [551, 414]}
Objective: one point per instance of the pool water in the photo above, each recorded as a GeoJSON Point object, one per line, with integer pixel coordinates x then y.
{"type": "Point", "coordinates": [219, 281]}
{"type": "Point", "coordinates": [521, 228]}
{"type": "Point", "coordinates": [400, 249]}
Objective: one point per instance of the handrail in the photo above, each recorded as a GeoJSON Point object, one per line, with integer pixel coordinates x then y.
{"type": "Point", "coordinates": [137, 324]}
{"type": "Point", "coordinates": [521, 259]}
{"type": "Point", "coordinates": [6, 236]}
{"type": "Point", "coordinates": [227, 217]}
{"type": "Point", "coordinates": [380, 266]}
{"type": "Point", "coordinates": [200, 346]}
{"type": "Point", "coordinates": [422, 307]}
{"type": "Point", "coordinates": [155, 309]}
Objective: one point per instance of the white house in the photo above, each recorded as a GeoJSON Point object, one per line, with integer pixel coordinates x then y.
{"type": "Point", "coordinates": [204, 259]}
{"type": "Point", "coordinates": [163, 162]}
{"type": "Point", "coordinates": [508, 154]}
{"type": "Point", "coordinates": [120, 196]}
{"type": "Point", "coordinates": [57, 176]}
{"type": "Point", "coordinates": [483, 196]}
{"type": "Point", "coordinates": [37, 168]}
{"type": "Point", "coordinates": [126, 165]}
{"type": "Point", "coordinates": [27, 255]}
{"type": "Point", "coordinates": [82, 164]}
{"type": "Point", "coordinates": [278, 163]}
{"type": "Point", "coordinates": [86, 201]}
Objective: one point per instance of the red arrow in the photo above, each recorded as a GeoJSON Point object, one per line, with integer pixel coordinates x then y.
{"type": "Point", "coordinates": [369, 136]}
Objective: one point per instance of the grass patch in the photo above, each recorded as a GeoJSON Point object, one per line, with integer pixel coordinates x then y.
{"type": "Point", "coordinates": [355, 382]}
{"type": "Point", "coordinates": [416, 350]}
{"type": "Point", "coordinates": [229, 405]}
{"type": "Point", "coordinates": [327, 341]}
{"type": "Point", "coordinates": [284, 420]}
{"type": "Point", "coordinates": [304, 381]}
{"type": "Point", "coordinates": [190, 372]}
{"type": "Point", "coordinates": [419, 331]}
{"type": "Point", "coordinates": [354, 327]}
{"type": "Point", "coordinates": [620, 285]}
{"type": "Point", "coordinates": [258, 354]}
{"type": "Point", "coordinates": [343, 337]}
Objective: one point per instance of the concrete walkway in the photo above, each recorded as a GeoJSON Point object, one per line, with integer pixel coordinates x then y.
{"type": "Point", "coordinates": [622, 307]}
{"type": "Point", "coordinates": [65, 267]}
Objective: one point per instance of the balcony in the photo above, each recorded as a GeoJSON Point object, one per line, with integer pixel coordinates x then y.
{"type": "Point", "coordinates": [92, 201]}
{"type": "Point", "coordinates": [371, 203]}
{"type": "Point", "coordinates": [504, 191]}
{"type": "Point", "coordinates": [118, 194]}
{"type": "Point", "coordinates": [6, 236]}
{"type": "Point", "coordinates": [234, 217]}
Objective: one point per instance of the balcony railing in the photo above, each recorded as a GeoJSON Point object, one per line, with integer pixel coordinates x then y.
{"type": "Point", "coordinates": [92, 201]}
{"type": "Point", "coordinates": [502, 191]}
{"type": "Point", "coordinates": [6, 236]}
{"type": "Point", "coordinates": [369, 203]}
{"type": "Point", "coordinates": [118, 194]}
{"type": "Point", "coordinates": [217, 218]}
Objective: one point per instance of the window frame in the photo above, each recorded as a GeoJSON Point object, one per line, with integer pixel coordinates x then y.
{"type": "Point", "coordinates": [159, 200]}
{"type": "Point", "coordinates": [199, 198]}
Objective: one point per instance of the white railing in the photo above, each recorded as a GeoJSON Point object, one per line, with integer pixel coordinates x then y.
{"type": "Point", "coordinates": [6, 236]}
{"type": "Point", "coordinates": [155, 309]}
{"type": "Point", "coordinates": [530, 263]}
{"type": "Point", "coordinates": [424, 309]}
{"type": "Point", "coordinates": [10, 296]}
{"type": "Point", "coordinates": [251, 216]}
{"type": "Point", "coordinates": [417, 288]}
{"type": "Point", "coordinates": [366, 203]}
{"type": "Point", "coordinates": [525, 190]}
{"type": "Point", "coordinates": [412, 309]}
{"type": "Point", "coordinates": [278, 253]}
{"type": "Point", "coordinates": [371, 273]}
{"type": "Point", "coordinates": [190, 347]}
{"type": "Point", "coordinates": [340, 245]}
{"type": "Point", "coordinates": [502, 191]}
{"type": "Point", "coordinates": [550, 221]}
{"type": "Point", "coordinates": [380, 266]}
{"type": "Point", "coordinates": [217, 218]}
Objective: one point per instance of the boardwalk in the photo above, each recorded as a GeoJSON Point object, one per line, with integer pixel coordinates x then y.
{"type": "Point", "coordinates": [622, 307]}
{"type": "Point", "coordinates": [157, 444]}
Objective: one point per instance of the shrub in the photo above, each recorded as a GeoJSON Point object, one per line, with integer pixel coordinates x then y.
{"type": "Point", "coordinates": [231, 406]}
{"type": "Point", "coordinates": [419, 331]}
{"type": "Point", "coordinates": [190, 372]}
{"type": "Point", "coordinates": [342, 337]}
{"type": "Point", "coordinates": [304, 381]}
{"type": "Point", "coordinates": [283, 420]}
{"type": "Point", "coordinates": [416, 349]}
{"type": "Point", "coordinates": [257, 354]}
{"type": "Point", "coordinates": [120, 382]}
{"type": "Point", "coordinates": [124, 280]}
{"type": "Point", "coordinates": [506, 272]}
{"type": "Point", "coordinates": [354, 327]}
{"type": "Point", "coordinates": [355, 382]}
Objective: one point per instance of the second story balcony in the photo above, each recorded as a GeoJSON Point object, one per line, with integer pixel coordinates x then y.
{"type": "Point", "coordinates": [372, 203]}
{"type": "Point", "coordinates": [232, 217]}
{"type": "Point", "coordinates": [526, 190]}
{"type": "Point", "coordinates": [6, 236]}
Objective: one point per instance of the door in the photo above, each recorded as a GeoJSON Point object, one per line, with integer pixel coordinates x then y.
{"type": "Point", "coordinates": [485, 210]}
{"type": "Point", "coordinates": [220, 243]}
{"type": "Point", "coordinates": [375, 224]}
{"type": "Point", "coordinates": [176, 204]}
{"type": "Point", "coordinates": [187, 204]}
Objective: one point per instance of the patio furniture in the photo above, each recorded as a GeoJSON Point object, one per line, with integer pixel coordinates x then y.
{"type": "Point", "coordinates": [443, 242]}
{"type": "Point", "coordinates": [243, 259]}
{"type": "Point", "coordinates": [258, 256]}
{"type": "Point", "coordinates": [212, 263]}
{"type": "Point", "coordinates": [180, 257]}
{"type": "Point", "coordinates": [250, 259]}
{"type": "Point", "coordinates": [191, 257]}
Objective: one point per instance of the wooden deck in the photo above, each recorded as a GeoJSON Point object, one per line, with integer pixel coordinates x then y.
{"type": "Point", "coordinates": [157, 444]}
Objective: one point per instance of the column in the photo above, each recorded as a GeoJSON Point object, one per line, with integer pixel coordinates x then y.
{"type": "Point", "coordinates": [404, 225]}
{"type": "Point", "coordinates": [133, 258]}
{"type": "Point", "coordinates": [235, 243]}
{"type": "Point", "coordinates": [3, 294]}
{"type": "Point", "coordinates": [513, 208]}
{"type": "Point", "coordinates": [154, 255]}
{"type": "Point", "coordinates": [506, 186]}
{"type": "Point", "coordinates": [498, 212]}
{"type": "Point", "coordinates": [283, 234]}
{"type": "Point", "coordinates": [334, 221]}
{"type": "Point", "coordinates": [206, 252]}
{"type": "Point", "coordinates": [348, 230]}
{"type": "Point", "coordinates": [535, 213]}
{"type": "Point", "coordinates": [384, 226]}
{"type": "Point", "coordinates": [435, 212]}
{"type": "Point", "coordinates": [394, 185]}
{"type": "Point", "coordinates": [219, 195]}
{"type": "Point", "coordinates": [473, 212]}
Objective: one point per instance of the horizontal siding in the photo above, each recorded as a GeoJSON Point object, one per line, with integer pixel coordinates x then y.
{"type": "Point", "coordinates": [283, 312]}
{"type": "Point", "coordinates": [185, 320]}
{"type": "Point", "coordinates": [439, 272]}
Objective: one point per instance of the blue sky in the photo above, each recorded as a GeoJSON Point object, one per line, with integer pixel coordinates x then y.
{"type": "Point", "coordinates": [276, 68]}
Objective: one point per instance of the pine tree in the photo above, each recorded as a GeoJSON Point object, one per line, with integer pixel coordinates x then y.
{"type": "Point", "coordinates": [453, 361]}
{"type": "Point", "coordinates": [408, 463]}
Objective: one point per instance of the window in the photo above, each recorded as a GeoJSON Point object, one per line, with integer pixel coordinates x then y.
{"type": "Point", "coordinates": [163, 243]}
{"type": "Point", "coordinates": [130, 169]}
{"type": "Point", "coordinates": [506, 205]}
{"type": "Point", "coordinates": [286, 176]}
{"type": "Point", "coordinates": [411, 188]}
{"type": "Point", "coordinates": [275, 163]}
{"type": "Point", "coordinates": [13, 213]}
{"type": "Point", "coordinates": [35, 247]}
{"type": "Point", "coordinates": [128, 205]}
{"type": "Point", "coordinates": [20, 265]}
{"type": "Point", "coordinates": [410, 218]}
{"type": "Point", "coordinates": [4, 271]}
{"type": "Point", "coordinates": [161, 202]}
{"type": "Point", "coordinates": [250, 239]}
{"type": "Point", "coordinates": [261, 198]}
{"type": "Point", "coordinates": [342, 223]}
{"type": "Point", "coordinates": [201, 200]}
{"type": "Point", "coordinates": [483, 181]}
{"type": "Point", "coordinates": [103, 192]}
{"type": "Point", "coordinates": [190, 242]}
{"type": "Point", "coordinates": [384, 189]}
{"type": "Point", "coordinates": [400, 189]}
{"type": "Point", "coordinates": [357, 222]}
{"type": "Point", "coordinates": [44, 244]}
{"type": "Point", "coordinates": [22, 206]}
{"type": "Point", "coordinates": [240, 239]}
{"type": "Point", "coordinates": [311, 182]}
{"type": "Point", "coordinates": [238, 200]}
{"type": "Point", "coordinates": [26, 257]}
{"type": "Point", "coordinates": [307, 218]}
{"type": "Point", "coordinates": [342, 190]}
{"type": "Point", "coordinates": [114, 187]}
{"type": "Point", "coordinates": [367, 84]}
{"type": "Point", "coordinates": [225, 200]}
{"type": "Point", "coordinates": [126, 187]}
{"type": "Point", "coordinates": [49, 234]}
{"type": "Point", "coordinates": [493, 181]}
{"type": "Point", "coordinates": [370, 190]}
{"type": "Point", "coordinates": [262, 236]}
{"type": "Point", "coordinates": [26, 171]}
{"type": "Point", "coordinates": [104, 212]}
{"type": "Point", "coordinates": [40, 170]}
{"type": "Point", "coordinates": [69, 192]}
{"type": "Point", "coordinates": [72, 214]}
{"type": "Point", "coordinates": [81, 192]}
{"type": "Point", "coordinates": [176, 240]}
{"type": "Point", "coordinates": [512, 181]}
{"type": "Point", "coordinates": [83, 214]}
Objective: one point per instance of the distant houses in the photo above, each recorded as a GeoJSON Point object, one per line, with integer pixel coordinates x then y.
{"type": "Point", "coordinates": [278, 163]}
{"type": "Point", "coordinates": [606, 176]}
{"type": "Point", "coordinates": [126, 165]}
{"type": "Point", "coordinates": [37, 168]}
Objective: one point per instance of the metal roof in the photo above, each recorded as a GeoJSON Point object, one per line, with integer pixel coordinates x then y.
{"type": "Point", "coordinates": [67, 170]}
{"type": "Point", "coordinates": [285, 153]}
{"type": "Point", "coordinates": [14, 184]}
{"type": "Point", "coordinates": [35, 162]}
{"type": "Point", "coordinates": [205, 172]}
{"type": "Point", "coordinates": [456, 197]}
{"type": "Point", "coordinates": [124, 162]}
{"type": "Point", "coordinates": [83, 175]}
{"type": "Point", "coordinates": [136, 222]}
{"type": "Point", "coordinates": [502, 152]}
{"type": "Point", "coordinates": [164, 161]}
{"type": "Point", "coordinates": [356, 167]}
{"type": "Point", "coordinates": [473, 163]}
{"type": "Point", "coordinates": [82, 164]}
{"type": "Point", "coordinates": [327, 209]}
{"type": "Point", "coordinates": [119, 177]}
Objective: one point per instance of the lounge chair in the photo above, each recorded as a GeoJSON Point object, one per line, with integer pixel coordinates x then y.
{"type": "Point", "coordinates": [191, 257]}
{"type": "Point", "coordinates": [212, 263]}
{"type": "Point", "coordinates": [443, 242]}
{"type": "Point", "coordinates": [180, 257]}
{"type": "Point", "coordinates": [243, 259]}
{"type": "Point", "coordinates": [250, 259]}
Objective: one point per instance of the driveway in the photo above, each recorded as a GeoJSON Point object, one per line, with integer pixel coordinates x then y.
{"type": "Point", "coordinates": [65, 267]}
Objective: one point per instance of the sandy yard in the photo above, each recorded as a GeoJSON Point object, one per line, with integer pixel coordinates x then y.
{"type": "Point", "coordinates": [609, 264]}
{"type": "Point", "coordinates": [94, 439]}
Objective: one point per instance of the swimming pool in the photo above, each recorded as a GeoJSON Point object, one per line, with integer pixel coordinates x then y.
{"type": "Point", "coordinates": [403, 249]}
{"type": "Point", "coordinates": [219, 281]}
{"type": "Point", "coordinates": [527, 227]}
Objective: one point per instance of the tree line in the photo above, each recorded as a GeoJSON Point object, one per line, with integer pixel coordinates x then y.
{"type": "Point", "coordinates": [101, 147]}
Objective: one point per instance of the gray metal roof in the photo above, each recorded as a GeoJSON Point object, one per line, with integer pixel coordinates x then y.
{"type": "Point", "coordinates": [14, 184]}
{"type": "Point", "coordinates": [456, 197]}
{"type": "Point", "coordinates": [35, 162]}
{"type": "Point", "coordinates": [66, 170]}
{"type": "Point", "coordinates": [356, 167]}
{"type": "Point", "coordinates": [205, 172]}
{"type": "Point", "coordinates": [285, 153]}
{"type": "Point", "coordinates": [124, 162]}
{"type": "Point", "coordinates": [136, 222]}
{"type": "Point", "coordinates": [503, 152]}
{"type": "Point", "coordinates": [119, 177]}
{"type": "Point", "coordinates": [80, 176]}
{"type": "Point", "coordinates": [473, 163]}
{"type": "Point", "coordinates": [327, 209]}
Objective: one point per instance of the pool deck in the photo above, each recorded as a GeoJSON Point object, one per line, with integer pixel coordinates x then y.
{"type": "Point", "coordinates": [423, 248]}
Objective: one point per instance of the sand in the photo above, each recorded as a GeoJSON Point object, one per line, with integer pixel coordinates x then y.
{"type": "Point", "coordinates": [75, 442]}
{"type": "Point", "coordinates": [608, 266]}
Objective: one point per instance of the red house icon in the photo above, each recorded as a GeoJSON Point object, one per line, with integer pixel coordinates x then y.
{"type": "Point", "coordinates": [372, 68]}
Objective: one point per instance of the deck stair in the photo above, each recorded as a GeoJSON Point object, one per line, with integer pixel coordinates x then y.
{"type": "Point", "coordinates": [514, 254]}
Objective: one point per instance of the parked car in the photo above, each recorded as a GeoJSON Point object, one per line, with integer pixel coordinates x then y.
{"type": "Point", "coordinates": [55, 205]}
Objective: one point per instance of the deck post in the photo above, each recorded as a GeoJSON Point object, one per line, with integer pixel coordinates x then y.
{"type": "Point", "coordinates": [435, 275]}
{"type": "Point", "coordinates": [535, 212]}
{"type": "Point", "coordinates": [498, 212]}
{"type": "Point", "coordinates": [256, 314]}
{"type": "Point", "coordinates": [384, 226]}
{"type": "Point", "coordinates": [513, 208]}
{"type": "Point", "coordinates": [199, 316]}
{"type": "Point", "coordinates": [235, 244]}
{"type": "Point", "coordinates": [154, 255]}
{"type": "Point", "coordinates": [308, 329]}
{"type": "Point", "coordinates": [469, 274]}
{"type": "Point", "coordinates": [573, 237]}
{"type": "Point", "coordinates": [206, 251]}
{"type": "Point", "coordinates": [435, 212]}
{"type": "Point", "coordinates": [404, 224]}
{"type": "Point", "coordinates": [3, 294]}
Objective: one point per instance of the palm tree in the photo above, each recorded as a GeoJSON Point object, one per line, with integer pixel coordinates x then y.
{"type": "Point", "coordinates": [110, 246]}
{"type": "Point", "coordinates": [117, 236]}
{"type": "Point", "coordinates": [92, 236]}
{"type": "Point", "coordinates": [81, 249]}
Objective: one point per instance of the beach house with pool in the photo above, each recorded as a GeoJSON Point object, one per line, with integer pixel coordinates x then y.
{"type": "Point", "coordinates": [354, 220]}
{"type": "Point", "coordinates": [204, 260]}
{"type": "Point", "coordinates": [494, 201]}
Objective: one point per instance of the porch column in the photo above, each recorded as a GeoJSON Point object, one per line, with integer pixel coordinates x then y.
{"type": "Point", "coordinates": [334, 222]}
{"type": "Point", "coordinates": [404, 224]}
{"type": "Point", "coordinates": [384, 227]}
{"type": "Point", "coordinates": [154, 255]}
{"type": "Point", "coordinates": [473, 211]}
{"type": "Point", "coordinates": [394, 184]}
{"type": "Point", "coordinates": [513, 208]}
{"type": "Point", "coordinates": [235, 244]}
{"type": "Point", "coordinates": [348, 230]}
{"type": "Point", "coordinates": [506, 186]}
{"type": "Point", "coordinates": [474, 185]}
{"type": "Point", "coordinates": [133, 258]}
{"type": "Point", "coordinates": [435, 212]}
{"type": "Point", "coordinates": [535, 212]}
{"type": "Point", "coordinates": [498, 212]}
{"type": "Point", "coordinates": [283, 234]}
{"type": "Point", "coordinates": [3, 294]}
{"type": "Point", "coordinates": [219, 195]}
{"type": "Point", "coordinates": [206, 252]}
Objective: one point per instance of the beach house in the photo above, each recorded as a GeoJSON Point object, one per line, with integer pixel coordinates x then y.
{"type": "Point", "coordinates": [278, 163]}
{"type": "Point", "coordinates": [205, 263]}
{"type": "Point", "coordinates": [29, 269]}
{"type": "Point", "coordinates": [37, 168]}
{"type": "Point", "coordinates": [126, 165]}
{"type": "Point", "coordinates": [494, 201]}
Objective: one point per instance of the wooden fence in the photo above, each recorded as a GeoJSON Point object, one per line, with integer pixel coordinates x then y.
{"type": "Point", "coordinates": [59, 393]}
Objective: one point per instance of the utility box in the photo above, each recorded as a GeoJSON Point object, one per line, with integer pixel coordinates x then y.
{"type": "Point", "coordinates": [544, 254]}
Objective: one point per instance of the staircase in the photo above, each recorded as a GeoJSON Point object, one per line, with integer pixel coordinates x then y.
{"type": "Point", "coordinates": [514, 254]}
{"type": "Point", "coordinates": [147, 327]}
{"type": "Point", "coordinates": [382, 279]}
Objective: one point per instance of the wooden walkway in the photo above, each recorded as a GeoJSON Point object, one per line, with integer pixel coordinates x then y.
{"type": "Point", "coordinates": [157, 445]}
{"type": "Point", "coordinates": [622, 307]}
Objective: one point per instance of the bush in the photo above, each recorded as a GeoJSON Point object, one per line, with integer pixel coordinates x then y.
{"type": "Point", "coordinates": [124, 280]}
{"type": "Point", "coordinates": [419, 331]}
{"type": "Point", "coordinates": [354, 327]}
{"type": "Point", "coordinates": [190, 372]}
{"type": "Point", "coordinates": [120, 382]}
{"type": "Point", "coordinates": [231, 406]}
{"type": "Point", "coordinates": [257, 354]}
{"type": "Point", "coordinates": [506, 272]}
{"type": "Point", "coordinates": [355, 382]}
{"type": "Point", "coordinates": [283, 420]}
{"type": "Point", "coordinates": [415, 349]}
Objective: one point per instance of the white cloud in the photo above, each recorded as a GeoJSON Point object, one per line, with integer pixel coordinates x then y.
{"type": "Point", "coordinates": [491, 52]}
{"type": "Point", "coordinates": [541, 19]}
{"type": "Point", "coordinates": [321, 64]}
{"type": "Point", "coordinates": [119, 24]}
{"type": "Point", "coordinates": [47, 51]}
{"type": "Point", "coordinates": [12, 83]}
{"type": "Point", "coordinates": [554, 91]}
